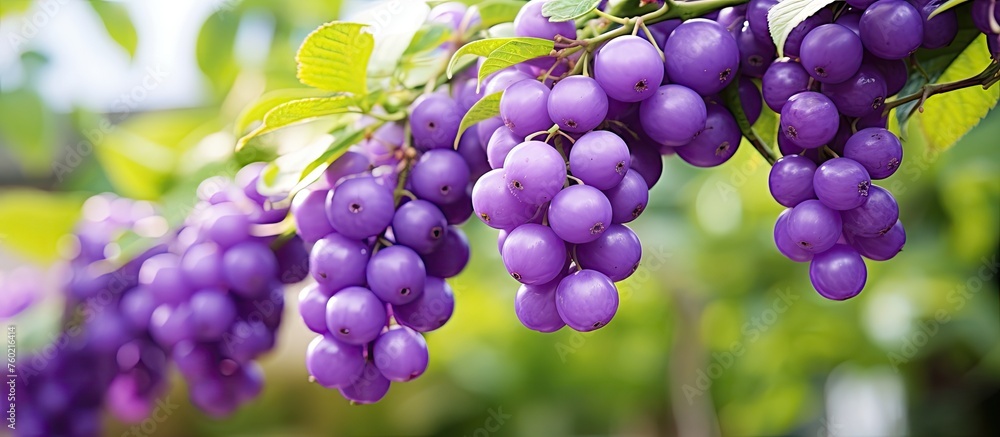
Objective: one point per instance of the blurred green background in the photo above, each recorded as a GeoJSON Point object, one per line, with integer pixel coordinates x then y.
{"type": "Point", "coordinates": [717, 333]}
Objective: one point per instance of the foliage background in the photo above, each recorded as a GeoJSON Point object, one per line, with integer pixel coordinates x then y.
{"type": "Point", "coordinates": [881, 364]}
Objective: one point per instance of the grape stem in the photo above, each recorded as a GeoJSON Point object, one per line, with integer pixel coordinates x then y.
{"type": "Point", "coordinates": [731, 95]}
{"type": "Point", "coordinates": [986, 79]}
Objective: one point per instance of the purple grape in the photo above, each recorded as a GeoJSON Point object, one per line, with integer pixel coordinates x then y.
{"type": "Point", "coordinates": [852, 20]}
{"type": "Point", "coordinates": [787, 148]}
{"type": "Point", "coordinates": [535, 307]}
{"type": "Point", "coordinates": [842, 184]}
{"type": "Point", "coordinates": [212, 312]}
{"type": "Point", "coordinates": [355, 315]}
{"type": "Point", "coordinates": [431, 310]}
{"type": "Point", "coordinates": [600, 159]}
{"type": "Point", "coordinates": [757, 17]}
{"type": "Point", "coordinates": [440, 176]}
{"type": "Point", "coordinates": [523, 108]}
{"type": "Point", "coordinates": [628, 68]}
{"type": "Point", "coordinates": [782, 80]}
{"type": "Point", "coordinates": [400, 354]}
{"type": "Point", "coordinates": [249, 268]}
{"type": "Point", "coordinates": [662, 30]}
{"type": "Point", "coordinates": [810, 119]}
{"type": "Point", "coordinates": [586, 300]}
{"type": "Point", "coordinates": [861, 95]}
{"type": "Point", "coordinates": [350, 163]}
{"type": "Point", "coordinates": [731, 18]}
{"type": "Point", "coordinates": [530, 22]}
{"type": "Point", "coordinates": [312, 308]}
{"type": "Point", "coordinates": [750, 99]}
{"type": "Point", "coordinates": [577, 104]}
{"type": "Point", "coordinates": [380, 149]}
{"type": "Point", "coordinates": [646, 161]}
{"type": "Point", "coordinates": [673, 116]}
{"type": "Point", "coordinates": [881, 248]}
{"type": "Point", "coordinates": [502, 80]}
{"type": "Point", "coordinates": [785, 244]}
{"type": "Point", "coordinates": [396, 275]}
{"type": "Point", "coordinates": [501, 143]}
{"type": "Point", "coordinates": [361, 207]}
{"type": "Point", "coordinates": [791, 180]}
{"type": "Point", "coordinates": [795, 39]}
{"type": "Point", "coordinates": [813, 227]}
{"type": "Point", "coordinates": [474, 155]}
{"type": "Point", "coordinates": [579, 214]}
{"type": "Point", "coordinates": [337, 262]}
{"type": "Point", "coordinates": [860, 4]}
{"type": "Point", "coordinates": [716, 143]}
{"type": "Point", "coordinates": [755, 55]}
{"type": "Point", "coordinates": [137, 307]}
{"type": "Point", "coordinates": [895, 72]}
{"type": "Point", "coordinates": [616, 253]}
{"type": "Point", "coordinates": [368, 389]}
{"type": "Point", "coordinates": [334, 363]}
{"type": "Point", "coordinates": [309, 210]}
{"type": "Point", "coordinates": [941, 30]}
{"type": "Point", "coordinates": [465, 93]}
{"type": "Point", "coordinates": [496, 206]}
{"type": "Point", "coordinates": [420, 225]}
{"type": "Point", "coordinates": [451, 257]}
{"type": "Point", "coordinates": [201, 266]}
{"type": "Point", "coordinates": [162, 275]}
{"type": "Point", "coordinates": [293, 261]}
{"type": "Point", "coordinates": [434, 122]}
{"type": "Point", "coordinates": [876, 217]}
{"type": "Point", "coordinates": [629, 198]}
{"type": "Point", "coordinates": [226, 225]}
{"type": "Point", "coordinates": [838, 273]}
{"type": "Point", "coordinates": [702, 55]}
{"type": "Point", "coordinates": [892, 29]}
{"type": "Point", "coordinates": [877, 149]}
{"type": "Point", "coordinates": [458, 212]}
{"type": "Point", "coordinates": [533, 254]}
{"type": "Point", "coordinates": [486, 128]}
{"type": "Point", "coordinates": [618, 110]}
{"type": "Point", "coordinates": [981, 15]}
{"type": "Point", "coordinates": [170, 325]}
{"type": "Point", "coordinates": [534, 172]}
{"type": "Point", "coordinates": [831, 53]}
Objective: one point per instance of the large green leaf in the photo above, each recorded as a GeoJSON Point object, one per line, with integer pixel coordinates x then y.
{"type": "Point", "coordinates": [292, 172]}
{"type": "Point", "coordinates": [256, 110]}
{"type": "Point", "coordinates": [116, 21]}
{"type": "Point", "coordinates": [493, 12]}
{"type": "Point", "coordinates": [35, 221]}
{"type": "Point", "coordinates": [783, 17]}
{"type": "Point", "coordinates": [487, 107]}
{"type": "Point", "coordinates": [485, 47]}
{"type": "Point", "coordinates": [565, 10]}
{"type": "Point", "coordinates": [948, 117]}
{"type": "Point", "coordinates": [335, 56]}
{"type": "Point", "coordinates": [514, 52]}
{"type": "Point", "coordinates": [301, 110]}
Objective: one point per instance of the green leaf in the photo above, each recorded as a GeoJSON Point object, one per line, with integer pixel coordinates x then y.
{"type": "Point", "coordinates": [514, 52]}
{"type": "Point", "coordinates": [946, 6]}
{"type": "Point", "coordinates": [256, 110]}
{"type": "Point", "coordinates": [393, 24]}
{"type": "Point", "coordinates": [565, 10]}
{"type": "Point", "coordinates": [116, 21]}
{"type": "Point", "coordinates": [28, 130]}
{"type": "Point", "coordinates": [485, 108]}
{"type": "Point", "coordinates": [35, 221]}
{"type": "Point", "coordinates": [783, 17]}
{"type": "Point", "coordinates": [335, 56]}
{"type": "Point", "coordinates": [214, 50]}
{"type": "Point", "coordinates": [485, 47]}
{"type": "Point", "coordinates": [294, 171]}
{"type": "Point", "coordinates": [429, 37]}
{"type": "Point", "coordinates": [493, 12]}
{"type": "Point", "coordinates": [948, 117]}
{"type": "Point", "coordinates": [301, 110]}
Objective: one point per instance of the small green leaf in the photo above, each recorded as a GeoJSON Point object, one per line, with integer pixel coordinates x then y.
{"type": "Point", "coordinates": [783, 17]}
{"type": "Point", "coordinates": [514, 52]}
{"type": "Point", "coordinates": [256, 110]}
{"type": "Point", "coordinates": [294, 171]}
{"type": "Point", "coordinates": [485, 108]}
{"type": "Point", "coordinates": [429, 37]}
{"type": "Point", "coordinates": [565, 10]}
{"type": "Point", "coordinates": [946, 6]}
{"type": "Point", "coordinates": [117, 23]}
{"type": "Point", "coordinates": [35, 221]}
{"type": "Point", "coordinates": [301, 110]}
{"type": "Point", "coordinates": [485, 47]}
{"type": "Point", "coordinates": [335, 56]}
{"type": "Point", "coordinates": [493, 12]}
{"type": "Point", "coordinates": [949, 116]}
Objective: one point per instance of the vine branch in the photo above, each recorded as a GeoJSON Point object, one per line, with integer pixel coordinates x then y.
{"type": "Point", "coordinates": [986, 79]}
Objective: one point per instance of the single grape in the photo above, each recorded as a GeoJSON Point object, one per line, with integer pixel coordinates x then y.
{"type": "Point", "coordinates": [350, 163]}
{"type": "Point", "coordinates": [831, 53]}
{"type": "Point", "coordinates": [981, 16]}
{"type": "Point", "coordinates": [485, 129]}
{"type": "Point", "coordinates": [249, 268]}
{"type": "Point", "coordinates": [501, 143]}
{"type": "Point", "coordinates": [337, 262]}
{"type": "Point", "coordinates": [579, 214]}
{"type": "Point", "coordinates": [731, 18]}
{"type": "Point", "coordinates": [201, 266]}
{"type": "Point", "coordinates": [813, 226]}
{"type": "Point", "coordinates": [877, 149]}
{"type": "Point", "coordinates": [309, 210]}
{"type": "Point", "coordinates": [496, 206]}
{"type": "Point", "coordinates": [396, 275]}
{"type": "Point", "coordinates": [439, 176]}
{"type": "Point", "coordinates": [876, 217]}
{"type": "Point", "coordinates": [941, 30]}
{"type": "Point", "coordinates": [474, 155]}
{"type": "Point", "coordinates": [810, 119]}
{"type": "Point", "coordinates": [534, 172]}
{"type": "Point", "coordinates": [629, 198]}
{"type": "Point", "coordinates": [750, 99]}
{"type": "Point", "coordinates": [400, 354]}
{"type": "Point", "coordinates": [791, 180]}
{"type": "Point", "coordinates": [355, 315]}
{"type": "Point", "coordinates": [431, 310]}
{"type": "Point", "coordinates": [852, 20]}
{"type": "Point", "coordinates": [212, 312]}
{"type": "Point", "coordinates": [646, 160]}
{"type": "Point", "coordinates": [838, 273]}
{"type": "Point", "coordinates": [531, 23]}
{"type": "Point", "coordinates": [523, 108]}
{"type": "Point", "coordinates": [170, 325]}
{"type": "Point", "coordinates": [451, 257]}
{"type": "Point", "coordinates": [535, 306]}
{"type": "Point", "coordinates": [662, 30]}
{"type": "Point", "coordinates": [782, 80]}
{"type": "Point", "coordinates": [420, 225]}
{"type": "Point", "coordinates": [880, 248]}
{"type": "Point", "coordinates": [875, 119]}
{"type": "Point", "coordinates": [892, 29]}
{"type": "Point", "coordinates": [502, 80]}
{"type": "Point", "coordinates": [616, 253]}
{"type": "Point", "coordinates": [312, 308]}
{"type": "Point", "coordinates": [600, 159]}
{"type": "Point", "coordinates": [434, 122]}
{"type": "Point", "coordinates": [716, 143]}
{"type": "Point", "coordinates": [860, 4]}
{"type": "Point", "coordinates": [673, 116]}
{"type": "Point", "coordinates": [137, 307]}
{"type": "Point", "coordinates": [702, 55]}
{"type": "Point", "coordinates": [794, 41]}
{"type": "Point", "coordinates": [533, 254]}
{"type": "Point", "coordinates": [757, 18]}
{"type": "Point", "coordinates": [370, 388]}
{"type": "Point", "coordinates": [896, 72]}
{"type": "Point", "coordinates": [586, 300]}
{"type": "Point", "coordinates": [755, 55]}
{"type": "Point", "coordinates": [225, 224]}
{"type": "Point", "coordinates": [628, 68]}
{"type": "Point", "coordinates": [577, 104]}
{"type": "Point", "coordinates": [334, 363]}
{"type": "Point", "coordinates": [842, 184]}
{"type": "Point", "coordinates": [861, 95]}
{"type": "Point", "coordinates": [162, 275]}
{"type": "Point", "coordinates": [785, 244]}
{"type": "Point", "coordinates": [459, 211]}
{"type": "Point", "coordinates": [360, 208]}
